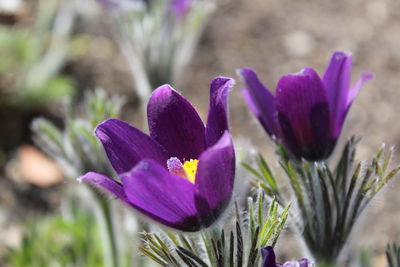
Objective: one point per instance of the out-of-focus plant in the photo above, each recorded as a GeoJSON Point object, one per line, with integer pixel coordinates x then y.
{"type": "Point", "coordinates": [364, 256]}
{"type": "Point", "coordinates": [59, 240]}
{"type": "Point", "coordinates": [393, 255]}
{"type": "Point", "coordinates": [238, 242]}
{"type": "Point", "coordinates": [158, 37]}
{"type": "Point", "coordinates": [32, 55]}
{"type": "Point", "coordinates": [77, 150]}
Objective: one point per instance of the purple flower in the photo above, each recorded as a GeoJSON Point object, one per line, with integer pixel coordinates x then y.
{"type": "Point", "coordinates": [182, 174]}
{"type": "Point", "coordinates": [268, 257]}
{"type": "Point", "coordinates": [180, 7]}
{"type": "Point", "coordinates": [307, 113]}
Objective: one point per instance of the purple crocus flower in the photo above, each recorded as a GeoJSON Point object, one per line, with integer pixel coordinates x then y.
{"type": "Point", "coordinates": [307, 113]}
{"type": "Point", "coordinates": [182, 174]}
{"type": "Point", "coordinates": [268, 257]}
{"type": "Point", "coordinates": [180, 7]}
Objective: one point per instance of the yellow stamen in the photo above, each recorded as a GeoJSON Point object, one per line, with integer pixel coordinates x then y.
{"type": "Point", "coordinates": [190, 167]}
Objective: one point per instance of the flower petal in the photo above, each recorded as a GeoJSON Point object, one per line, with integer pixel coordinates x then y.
{"type": "Point", "coordinates": [268, 256]}
{"type": "Point", "coordinates": [162, 196]}
{"type": "Point", "coordinates": [104, 182]}
{"type": "Point", "coordinates": [180, 7]}
{"type": "Point", "coordinates": [365, 77]}
{"type": "Point", "coordinates": [126, 145]}
{"type": "Point", "coordinates": [337, 83]}
{"type": "Point", "coordinates": [217, 121]}
{"type": "Point", "coordinates": [214, 179]}
{"type": "Point", "coordinates": [175, 124]}
{"type": "Point", "coordinates": [260, 100]}
{"type": "Point", "coordinates": [303, 114]}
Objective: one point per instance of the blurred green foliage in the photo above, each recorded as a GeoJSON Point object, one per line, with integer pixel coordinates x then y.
{"type": "Point", "coordinates": [77, 151]}
{"type": "Point", "coordinates": [32, 55]}
{"type": "Point", "coordinates": [59, 241]}
{"type": "Point", "coordinates": [393, 255]}
{"type": "Point", "coordinates": [75, 148]}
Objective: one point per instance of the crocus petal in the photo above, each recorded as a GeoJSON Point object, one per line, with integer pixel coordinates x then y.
{"type": "Point", "coordinates": [125, 145]}
{"type": "Point", "coordinates": [337, 83]}
{"type": "Point", "coordinates": [268, 256]}
{"type": "Point", "coordinates": [175, 124]}
{"type": "Point", "coordinates": [260, 100]}
{"type": "Point", "coordinates": [104, 182]}
{"type": "Point", "coordinates": [217, 121]}
{"type": "Point", "coordinates": [365, 77]}
{"type": "Point", "coordinates": [303, 114]}
{"type": "Point", "coordinates": [162, 196]}
{"type": "Point", "coordinates": [214, 180]}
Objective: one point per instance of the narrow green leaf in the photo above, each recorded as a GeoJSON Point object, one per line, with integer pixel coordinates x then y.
{"type": "Point", "coordinates": [192, 256]}
{"type": "Point", "coordinates": [173, 238]}
{"type": "Point", "coordinates": [267, 173]}
{"type": "Point", "coordinates": [189, 262]}
{"type": "Point", "coordinates": [185, 242]}
{"type": "Point", "coordinates": [239, 245]}
{"type": "Point", "coordinates": [253, 250]}
{"type": "Point", "coordinates": [153, 257]}
{"type": "Point", "coordinates": [231, 249]}
{"type": "Point", "coordinates": [253, 171]}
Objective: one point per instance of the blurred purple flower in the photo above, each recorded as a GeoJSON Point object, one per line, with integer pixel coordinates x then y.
{"type": "Point", "coordinates": [182, 175]}
{"type": "Point", "coordinates": [268, 257]}
{"type": "Point", "coordinates": [180, 7]}
{"type": "Point", "coordinates": [307, 114]}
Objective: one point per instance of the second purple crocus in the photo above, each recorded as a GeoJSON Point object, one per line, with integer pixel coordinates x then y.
{"type": "Point", "coordinates": [307, 113]}
{"type": "Point", "coordinates": [268, 260]}
{"type": "Point", "coordinates": [180, 7]}
{"type": "Point", "coordinates": [182, 174]}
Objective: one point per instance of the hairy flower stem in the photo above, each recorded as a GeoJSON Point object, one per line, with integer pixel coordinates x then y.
{"type": "Point", "coordinates": [104, 217]}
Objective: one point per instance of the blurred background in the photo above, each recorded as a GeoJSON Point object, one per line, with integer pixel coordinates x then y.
{"type": "Point", "coordinates": [51, 51]}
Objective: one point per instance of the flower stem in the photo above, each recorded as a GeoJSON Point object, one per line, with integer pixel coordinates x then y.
{"type": "Point", "coordinates": [104, 214]}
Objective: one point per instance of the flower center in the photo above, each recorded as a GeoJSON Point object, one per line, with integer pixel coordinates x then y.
{"type": "Point", "coordinates": [190, 168]}
{"type": "Point", "coordinates": [186, 170]}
